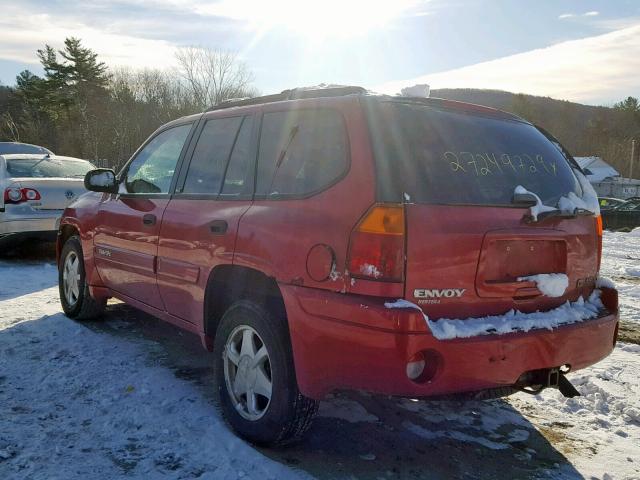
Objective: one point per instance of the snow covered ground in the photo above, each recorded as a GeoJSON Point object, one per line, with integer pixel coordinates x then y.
{"type": "Point", "coordinates": [130, 397]}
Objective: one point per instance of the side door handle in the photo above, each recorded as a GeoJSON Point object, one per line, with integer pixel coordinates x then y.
{"type": "Point", "coordinates": [149, 219]}
{"type": "Point", "coordinates": [218, 227]}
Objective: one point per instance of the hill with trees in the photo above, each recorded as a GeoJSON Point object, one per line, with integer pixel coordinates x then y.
{"type": "Point", "coordinates": [81, 107]}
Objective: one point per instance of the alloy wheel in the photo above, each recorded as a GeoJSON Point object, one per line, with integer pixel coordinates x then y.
{"type": "Point", "coordinates": [247, 372]}
{"type": "Point", "coordinates": [71, 278]}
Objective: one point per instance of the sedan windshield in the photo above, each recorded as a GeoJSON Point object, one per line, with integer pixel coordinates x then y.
{"type": "Point", "coordinates": [48, 167]}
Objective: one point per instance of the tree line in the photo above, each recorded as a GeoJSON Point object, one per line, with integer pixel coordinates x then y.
{"type": "Point", "coordinates": [82, 108]}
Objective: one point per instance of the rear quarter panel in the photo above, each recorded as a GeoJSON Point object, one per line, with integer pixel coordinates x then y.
{"type": "Point", "coordinates": [277, 236]}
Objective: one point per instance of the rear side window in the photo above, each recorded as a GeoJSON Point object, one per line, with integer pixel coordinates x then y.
{"type": "Point", "coordinates": [211, 155]}
{"type": "Point", "coordinates": [301, 152]}
{"type": "Point", "coordinates": [446, 156]}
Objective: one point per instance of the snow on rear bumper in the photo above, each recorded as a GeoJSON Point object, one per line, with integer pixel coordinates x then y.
{"type": "Point", "coordinates": [353, 342]}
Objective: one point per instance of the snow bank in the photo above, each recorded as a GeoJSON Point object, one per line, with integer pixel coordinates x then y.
{"type": "Point", "coordinates": [510, 322]}
{"type": "Point", "coordinates": [536, 209]}
{"type": "Point", "coordinates": [370, 270]}
{"type": "Point", "coordinates": [632, 271]}
{"type": "Point", "coordinates": [402, 303]}
{"type": "Point", "coordinates": [604, 282]}
{"type": "Point", "coordinates": [550, 284]}
{"type": "Point", "coordinates": [515, 321]}
{"type": "Point", "coordinates": [420, 90]}
{"type": "Point", "coordinates": [568, 204]}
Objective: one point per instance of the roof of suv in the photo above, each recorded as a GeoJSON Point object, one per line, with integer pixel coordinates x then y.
{"type": "Point", "coordinates": [324, 91]}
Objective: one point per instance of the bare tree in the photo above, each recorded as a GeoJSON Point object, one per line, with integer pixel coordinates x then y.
{"type": "Point", "coordinates": [213, 76]}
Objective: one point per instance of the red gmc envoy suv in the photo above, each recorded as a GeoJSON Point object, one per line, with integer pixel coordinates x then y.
{"type": "Point", "coordinates": [329, 238]}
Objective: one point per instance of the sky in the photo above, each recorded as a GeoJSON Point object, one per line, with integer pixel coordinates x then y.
{"type": "Point", "coordinates": [580, 50]}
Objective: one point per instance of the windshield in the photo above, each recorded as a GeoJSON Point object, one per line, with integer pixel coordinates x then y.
{"type": "Point", "coordinates": [51, 168]}
{"type": "Point", "coordinates": [446, 156]}
{"type": "Point", "coordinates": [10, 147]}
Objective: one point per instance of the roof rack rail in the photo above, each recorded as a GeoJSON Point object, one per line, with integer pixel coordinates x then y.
{"type": "Point", "coordinates": [292, 94]}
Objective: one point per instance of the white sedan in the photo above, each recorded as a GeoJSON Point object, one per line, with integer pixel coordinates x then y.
{"type": "Point", "coordinates": [35, 190]}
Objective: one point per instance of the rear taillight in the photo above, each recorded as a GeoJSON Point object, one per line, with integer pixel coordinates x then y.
{"type": "Point", "coordinates": [19, 195]}
{"type": "Point", "coordinates": [599, 239]}
{"type": "Point", "coordinates": [376, 246]}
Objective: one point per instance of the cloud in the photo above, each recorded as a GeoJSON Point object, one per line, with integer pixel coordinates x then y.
{"type": "Point", "coordinates": [22, 33]}
{"type": "Point", "coordinates": [132, 33]}
{"type": "Point", "coordinates": [592, 13]}
{"type": "Point", "coordinates": [333, 18]}
{"type": "Point", "coordinates": [598, 69]}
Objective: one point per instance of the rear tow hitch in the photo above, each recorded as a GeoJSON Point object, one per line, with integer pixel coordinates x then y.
{"type": "Point", "coordinates": [535, 381]}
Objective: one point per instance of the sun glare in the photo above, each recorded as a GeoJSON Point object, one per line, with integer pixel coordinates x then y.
{"type": "Point", "coordinates": [315, 20]}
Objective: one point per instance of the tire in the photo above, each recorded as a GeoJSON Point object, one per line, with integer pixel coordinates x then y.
{"type": "Point", "coordinates": [77, 303]}
{"type": "Point", "coordinates": [277, 420]}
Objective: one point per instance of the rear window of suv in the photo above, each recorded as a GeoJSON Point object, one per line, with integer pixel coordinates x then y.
{"type": "Point", "coordinates": [301, 152]}
{"type": "Point", "coordinates": [451, 156]}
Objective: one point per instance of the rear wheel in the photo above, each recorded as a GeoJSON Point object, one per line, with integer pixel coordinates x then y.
{"type": "Point", "coordinates": [75, 298]}
{"type": "Point", "coordinates": [255, 377]}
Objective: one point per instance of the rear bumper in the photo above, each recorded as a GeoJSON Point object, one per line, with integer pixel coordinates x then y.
{"type": "Point", "coordinates": [14, 229]}
{"type": "Point", "coordinates": [334, 349]}
{"type": "Point", "coordinates": [48, 221]}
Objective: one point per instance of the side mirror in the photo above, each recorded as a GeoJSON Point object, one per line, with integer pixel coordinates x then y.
{"type": "Point", "coordinates": [101, 180]}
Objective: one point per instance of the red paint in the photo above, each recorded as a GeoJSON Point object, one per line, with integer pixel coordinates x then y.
{"type": "Point", "coordinates": [341, 333]}
{"type": "Point", "coordinates": [342, 341]}
{"type": "Point", "coordinates": [320, 262]}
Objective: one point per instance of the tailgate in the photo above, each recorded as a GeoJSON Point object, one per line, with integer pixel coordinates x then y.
{"type": "Point", "coordinates": [464, 261]}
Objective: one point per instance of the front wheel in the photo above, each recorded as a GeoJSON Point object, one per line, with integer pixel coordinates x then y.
{"type": "Point", "coordinates": [255, 377]}
{"type": "Point", "coordinates": [75, 298]}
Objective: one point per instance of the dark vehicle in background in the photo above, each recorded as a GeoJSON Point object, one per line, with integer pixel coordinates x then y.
{"type": "Point", "coordinates": [23, 148]}
{"type": "Point", "coordinates": [625, 216]}
{"type": "Point", "coordinates": [608, 203]}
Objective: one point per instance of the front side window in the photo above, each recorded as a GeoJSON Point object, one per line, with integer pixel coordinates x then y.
{"type": "Point", "coordinates": [301, 152]}
{"type": "Point", "coordinates": [152, 169]}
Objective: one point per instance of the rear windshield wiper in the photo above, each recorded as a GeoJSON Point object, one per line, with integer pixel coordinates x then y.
{"type": "Point", "coordinates": [283, 153]}
{"type": "Point", "coordinates": [46, 157]}
{"type": "Point", "coordinates": [560, 214]}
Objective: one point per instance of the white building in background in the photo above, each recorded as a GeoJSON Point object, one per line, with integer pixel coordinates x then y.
{"type": "Point", "coordinates": [606, 180]}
